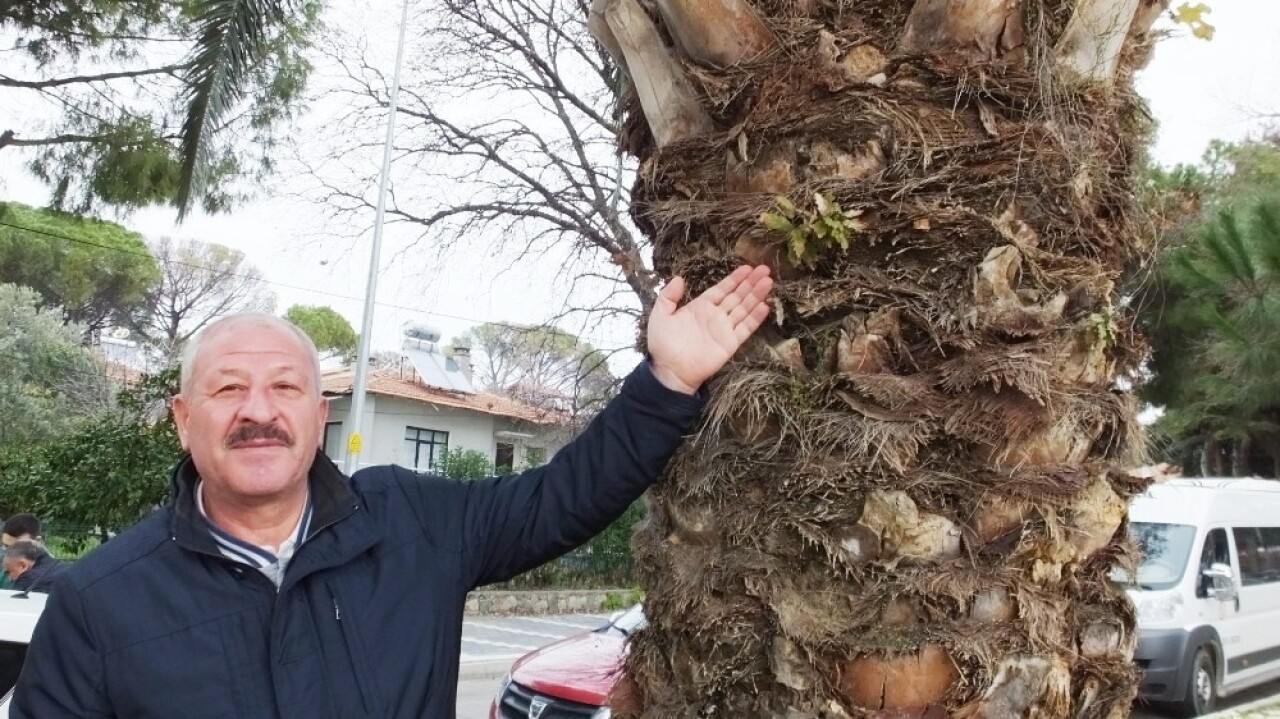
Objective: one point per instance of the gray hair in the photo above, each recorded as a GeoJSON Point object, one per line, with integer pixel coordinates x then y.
{"type": "Point", "coordinates": [192, 349]}
{"type": "Point", "coordinates": [25, 549]}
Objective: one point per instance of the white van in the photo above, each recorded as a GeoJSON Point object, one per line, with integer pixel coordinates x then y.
{"type": "Point", "coordinates": [18, 614]}
{"type": "Point", "coordinates": [1208, 589]}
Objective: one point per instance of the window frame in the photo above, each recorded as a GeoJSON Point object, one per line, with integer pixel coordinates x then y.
{"type": "Point", "coordinates": [434, 457]}
{"type": "Point", "coordinates": [324, 441]}
{"type": "Point", "coordinates": [1259, 557]}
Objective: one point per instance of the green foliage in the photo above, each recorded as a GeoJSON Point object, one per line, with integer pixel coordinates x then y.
{"type": "Point", "coordinates": [99, 274]}
{"type": "Point", "coordinates": [534, 456]}
{"type": "Point", "coordinates": [330, 331]}
{"type": "Point", "coordinates": [129, 165]}
{"type": "Point", "coordinates": [465, 464]}
{"type": "Point", "coordinates": [107, 472]}
{"type": "Point", "coordinates": [48, 379]}
{"type": "Point", "coordinates": [233, 37]}
{"type": "Point", "coordinates": [1184, 198]}
{"type": "Point", "coordinates": [618, 601]}
{"type": "Point", "coordinates": [809, 233]}
{"type": "Point", "coordinates": [1222, 330]}
{"type": "Point", "coordinates": [615, 540]}
{"type": "Point", "coordinates": [141, 138]}
{"type": "Point", "coordinates": [1193, 17]}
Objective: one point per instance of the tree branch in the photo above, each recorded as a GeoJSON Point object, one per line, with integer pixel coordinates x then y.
{"type": "Point", "coordinates": [8, 138]}
{"type": "Point", "coordinates": [6, 81]}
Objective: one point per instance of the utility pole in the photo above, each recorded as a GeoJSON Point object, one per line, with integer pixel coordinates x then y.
{"type": "Point", "coordinates": [355, 442]}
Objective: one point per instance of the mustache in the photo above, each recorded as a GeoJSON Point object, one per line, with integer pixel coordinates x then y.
{"type": "Point", "coordinates": [254, 432]}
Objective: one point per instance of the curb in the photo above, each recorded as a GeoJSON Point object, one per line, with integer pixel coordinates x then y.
{"type": "Point", "coordinates": [484, 670]}
{"type": "Point", "coordinates": [1239, 712]}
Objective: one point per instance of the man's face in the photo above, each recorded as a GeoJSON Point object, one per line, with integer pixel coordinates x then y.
{"type": "Point", "coordinates": [16, 567]}
{"type": "Point", "coordinates": [252, 416]}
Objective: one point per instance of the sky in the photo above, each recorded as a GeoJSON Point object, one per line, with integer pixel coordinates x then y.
{"type": "Point", "coordinates": [1197, 91]}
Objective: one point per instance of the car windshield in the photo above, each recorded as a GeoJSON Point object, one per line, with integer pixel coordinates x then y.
{"type": "Point", "coordinates": [629, 622]}
{"type": "Point", "coordinates": [1165, 549]}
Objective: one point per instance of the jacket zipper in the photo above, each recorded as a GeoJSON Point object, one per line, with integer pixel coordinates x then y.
{"type": "Point", "coordinates": [357, 661]}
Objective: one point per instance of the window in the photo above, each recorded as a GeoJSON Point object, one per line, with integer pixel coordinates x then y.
{"type": "Point", "coordinates": [1165, 550]}
{"type": "Point", "coordinates": [504, 460]}
{"type": "Point", "coordinates": [425, 448]}
{"type": "Point", "coordinates": [1271, 553]}
{"type": "Point", "coordinates": [1215, 552]}
{"type": "Point", "coordinates": [1258, 549]}
{"type": "Point", "coordinates": [12, 654]}
{"type": "Point", "coordinates": [332, 446]}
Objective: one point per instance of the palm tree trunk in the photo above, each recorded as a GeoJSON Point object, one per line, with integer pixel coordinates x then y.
{"type": "Point", "coordinates": [907, 494]}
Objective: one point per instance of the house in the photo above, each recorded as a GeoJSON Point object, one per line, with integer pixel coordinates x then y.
{"type": "Point", "coordinates": [422, 403]}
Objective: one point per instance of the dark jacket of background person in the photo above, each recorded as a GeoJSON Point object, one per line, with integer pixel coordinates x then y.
{"type": "Point", "coordinates": [368, 620]}
{"type": "Point", "coordinates": [40, 576]}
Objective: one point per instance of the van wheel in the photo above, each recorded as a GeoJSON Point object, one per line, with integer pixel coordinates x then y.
{"type": "Point", "coordinates": [1201, 692]}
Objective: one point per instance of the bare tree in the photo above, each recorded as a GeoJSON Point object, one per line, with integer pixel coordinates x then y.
{"type": "Point", "coordinates": [200, 282]}
{"type": "Point", "coordinates": [542, 366]}
{"type": "Point", "coordinates": [505, 131]}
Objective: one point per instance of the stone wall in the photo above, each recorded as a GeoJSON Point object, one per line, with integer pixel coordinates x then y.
{"type": "Point", "coordinates": [557, 601]}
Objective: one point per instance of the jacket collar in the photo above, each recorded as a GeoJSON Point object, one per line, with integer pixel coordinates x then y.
{"type": "Point", "coordinates": [332, 498]}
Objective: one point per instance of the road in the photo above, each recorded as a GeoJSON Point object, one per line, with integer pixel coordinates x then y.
{"type": "Point", "coordinates": [497, 638]}
{"type": "Point", "coordinates": [474, 697]}
{"type": "Point", "coordinates": [1249, 695]}
{"type": "Point", "coordinates": [496, 641]}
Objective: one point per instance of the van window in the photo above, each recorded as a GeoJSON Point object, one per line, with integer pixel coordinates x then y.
{"type": "Point", "coordinates": [1214, 552]}
{"type": "Point", "coordinates": [12, 654]}
{"type": "Point", "coordinates": [1258, 549]}
{"type": "Point", "coordinates": [1165, 550]}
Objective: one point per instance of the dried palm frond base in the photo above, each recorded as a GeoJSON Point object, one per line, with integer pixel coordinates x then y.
{"type": "Point", "coordinates": [907, 494]}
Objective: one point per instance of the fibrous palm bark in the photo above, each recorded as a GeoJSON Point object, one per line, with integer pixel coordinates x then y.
{"type": "Point", "coordinates": [907, 493]}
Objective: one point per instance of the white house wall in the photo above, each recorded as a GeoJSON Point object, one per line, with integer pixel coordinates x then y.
{"type": "Point", "coordinates": [387, 417]}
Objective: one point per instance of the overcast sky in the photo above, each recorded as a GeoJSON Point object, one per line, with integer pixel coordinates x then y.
{"type": "Point", "coordinates": [1198, 91]}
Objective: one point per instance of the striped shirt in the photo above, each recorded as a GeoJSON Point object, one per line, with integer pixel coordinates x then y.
{"type": "Point", "coordinates": [271, 561]}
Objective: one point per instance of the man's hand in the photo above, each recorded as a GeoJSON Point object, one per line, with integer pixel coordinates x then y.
{"type": "Point", "coordinates": [689, 344]}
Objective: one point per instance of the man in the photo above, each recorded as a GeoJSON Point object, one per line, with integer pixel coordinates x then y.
{"type": "Point", "coordinates": [29, 566]}
{"type": "Point", "coordinates": [21, 527]}
{"type": "Point", "coordinates": [273, 586]}
{"type": "Point", "coordinates": [17, 528]}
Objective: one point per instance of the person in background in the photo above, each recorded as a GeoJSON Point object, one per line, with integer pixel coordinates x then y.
{"type": "Point", "coordinates": [21, 527]}
{"type": "Point", "coordinates": [29, 566]}
{"type": "Point", "coordinates": [17, 528]}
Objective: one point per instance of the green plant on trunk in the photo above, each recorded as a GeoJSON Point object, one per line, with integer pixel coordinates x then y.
{"type": "Point", "coordinates": [811, 232]}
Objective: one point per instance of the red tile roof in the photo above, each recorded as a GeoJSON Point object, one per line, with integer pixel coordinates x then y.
{"type": "Point", "coordinates": [390, 383]}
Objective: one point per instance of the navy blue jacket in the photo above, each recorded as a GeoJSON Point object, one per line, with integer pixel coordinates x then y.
{"type": "Point", "coordinates": [40, 576]}
{"type": "Point", "coordinates": [368, 619]}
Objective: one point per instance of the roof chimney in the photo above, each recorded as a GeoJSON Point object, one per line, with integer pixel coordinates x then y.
{"type": "Point", "coordinates": [462, 355]}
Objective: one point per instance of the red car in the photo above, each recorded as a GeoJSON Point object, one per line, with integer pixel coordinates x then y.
{"type": "Point", "coordinates": [570, 679]}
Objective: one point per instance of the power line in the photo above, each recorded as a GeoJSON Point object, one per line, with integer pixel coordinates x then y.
{"type": "Point", "coordinates": [148, 255]}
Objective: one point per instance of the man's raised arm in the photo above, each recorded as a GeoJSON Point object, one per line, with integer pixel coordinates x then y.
{"type": "Point", "coordinates": [512, 524]}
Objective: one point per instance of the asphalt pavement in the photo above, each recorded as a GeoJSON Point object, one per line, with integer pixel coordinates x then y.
{"type": "Point", "coordinates": [1260, 702]}
{"type": "Point", "coordinates": [491, 644]}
